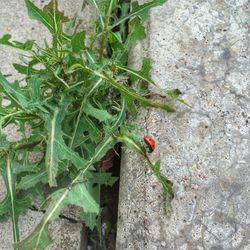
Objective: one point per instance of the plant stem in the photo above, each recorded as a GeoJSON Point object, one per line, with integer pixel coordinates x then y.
{"type": "Point", "coordinates": [81, 111]}
{"type": "Point", "coordinates": [12, 198]}
{"type": "Point", "coordinates": [105, 30]}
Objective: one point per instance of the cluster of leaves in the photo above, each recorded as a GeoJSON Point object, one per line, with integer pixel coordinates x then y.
{"type": "Point", "coordinates": [75, 99]}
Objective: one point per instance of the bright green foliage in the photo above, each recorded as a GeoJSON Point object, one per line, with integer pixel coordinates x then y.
{"type": "Point", "coordinates": [13, 204]}
{"type": "Point", "coordinates": [5, 40]}
{"type": "Point", "coordinates": [76, 106]}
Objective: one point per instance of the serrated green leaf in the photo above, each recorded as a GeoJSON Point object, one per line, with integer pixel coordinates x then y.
{"type": "Point", "coordinates": [11, 204]}
{"type": "Point", "coordinates": [34, 85]}
{"type": "Point", "coordinates": [14, 92]}
{"type": "Point", "coordinates": [52, 10]}
{"type": "Point", "coordinates": [39, 15]}
{"type": "Point", "coordinates": [25, 98]}
{"type": "Point", "coordinates": [90, 219]}
{"type": "Point", "coordinates": [108, 143]}
{"type": "Point", "coordinates": [5, 40]}
{"type": "Point", "coordinates": [92, 129]}
{"type": "Point", "coordinates": [28, 167]}
{"type": "Point", "coordinates": [30, 180]}
{"type": "Point", "coordinates": [51, 17]}
{"type": "Point", "coordinates": [56, 148]}
{"type": "Point", "coordinates": [87, 129]}
{"type": "Point", "coordinates": [39, 239]}
{"type": "Point", "coordinates": [100, 114]}
{"type": "Point", "coordinates": [4, 144]}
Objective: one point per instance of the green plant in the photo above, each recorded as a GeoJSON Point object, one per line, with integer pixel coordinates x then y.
{"type": "Point", "coordinates": [75, 100]}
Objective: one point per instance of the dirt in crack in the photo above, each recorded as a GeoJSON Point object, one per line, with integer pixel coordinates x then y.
{"type": "Point", "coordinates": [104, 237]}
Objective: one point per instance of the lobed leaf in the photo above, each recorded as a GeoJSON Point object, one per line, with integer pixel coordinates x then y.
{"type": "Point", "coordinates": [11, 204]}
{"type": "Point", "coordinates": [100, 114]}
{"type": "Point", "coordinates": [14, 92]}
{"type": "Point", "coordinates": [5, 40]}
{"type": "Point", "coordinates": [57, 150]}
{"type": "Point", "coordinates": [39, 15]}
{"type": "Point", "coordinates": [30, 180]}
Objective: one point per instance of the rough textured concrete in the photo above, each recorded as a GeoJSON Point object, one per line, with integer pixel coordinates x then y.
{"type": "Point", "coordinates": [202, 48]}
{"type": "Point", "coordinates": [14, 20]}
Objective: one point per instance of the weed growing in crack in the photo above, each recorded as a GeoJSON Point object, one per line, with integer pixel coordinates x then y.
{"type": "Point", "coordinates": [76, 106]}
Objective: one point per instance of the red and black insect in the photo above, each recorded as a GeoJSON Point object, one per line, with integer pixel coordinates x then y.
{"type": "Point", "coordinates": [150, 143]}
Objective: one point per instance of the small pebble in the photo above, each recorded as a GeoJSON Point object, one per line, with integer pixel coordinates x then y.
{"type": "Point", "coordinates": [149, 173]}
{"type": "Point", "coordinates": [163, 243]}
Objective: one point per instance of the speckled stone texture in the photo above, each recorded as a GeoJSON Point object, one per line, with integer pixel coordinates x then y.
{"type": "Point", "coordinates": [202, 48]}
{"type": "Point", "coordinates": [14, 20]}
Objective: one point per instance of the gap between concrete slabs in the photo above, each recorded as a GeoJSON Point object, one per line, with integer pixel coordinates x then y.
{"type": "Point", "coordinates": [14, 20]}
{"type": "Point", "coordinates": [202, 48]}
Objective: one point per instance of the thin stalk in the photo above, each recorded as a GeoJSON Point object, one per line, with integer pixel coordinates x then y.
{"type": "Point", "coordinates": [12, 199]}
{"type": "Point", "coordinates": [75, 85]}
{"type": "Point", "coordinates": [99, 12]}
{"type": "Point", "coordinates": [125, 7]}
{"type": "Point", "coordinates": [61, 80]}
{"type": "Point", "coordinates": [105, 30]}
{"type": "Point", "coordinates": [10, 115]}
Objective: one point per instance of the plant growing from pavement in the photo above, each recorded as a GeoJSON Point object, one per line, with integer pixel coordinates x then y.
{"type": "Point", "coordinates": [76, 97]}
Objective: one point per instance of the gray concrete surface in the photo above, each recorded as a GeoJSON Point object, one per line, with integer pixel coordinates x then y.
{"type": "Point", "coordinates": [202, 48]}
{"type": "Point", "coordinates": [14, 20]}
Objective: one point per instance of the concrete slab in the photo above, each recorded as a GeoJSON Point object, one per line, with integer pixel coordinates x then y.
{"type": "Point", "coordinates": [202, 48]}
{"type": "Point", "coordinates": [14, 20]}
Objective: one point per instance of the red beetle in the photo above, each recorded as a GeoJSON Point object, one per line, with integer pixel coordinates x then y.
{"type": "Point", "coordinates": [150, 143]}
